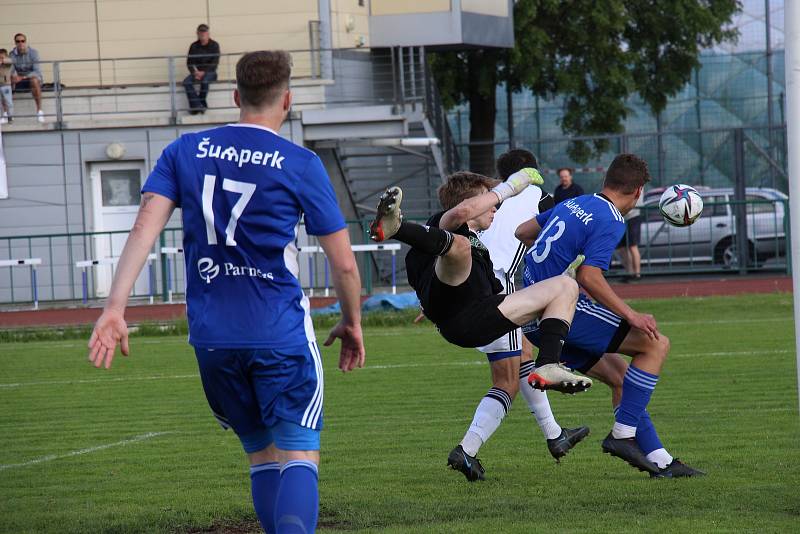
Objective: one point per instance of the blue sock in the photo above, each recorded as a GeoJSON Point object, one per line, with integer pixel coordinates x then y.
{"type": "Point", "coordinates": [297, 506]}
{"type": "Point", "coordinates": [265, 480]}
{"type": "Point", "coordinates": [646, 435]}
{"type": "Point", "coordinates": [637, 388]}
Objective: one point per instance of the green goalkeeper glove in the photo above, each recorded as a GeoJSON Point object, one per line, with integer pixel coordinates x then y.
{"type": "Point", "coordinates": [517, 182]}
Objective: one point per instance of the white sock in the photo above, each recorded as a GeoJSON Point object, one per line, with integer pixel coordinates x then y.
{"type": "Point", "coordinates": [538, 403]}
{"type": "Point", "coordinates": [488, 416]}
{"type": "Point", "coordinates": [660, 457]}
{"type": "Point", "coordinates": [621, 431]}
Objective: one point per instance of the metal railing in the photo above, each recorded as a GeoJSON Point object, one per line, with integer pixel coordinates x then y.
{"type": "Point", "coordinates": [153, 85]}
{"type": "Point", "coordinates": [706, 156]}
{"type": "Point", "coordinates": [708, 246]}
{"type": "Point", "coordinates": [66, 272]}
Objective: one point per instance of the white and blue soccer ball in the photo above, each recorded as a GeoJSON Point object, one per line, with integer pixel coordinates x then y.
{"type": "Point", "coordinates": [680, 205]}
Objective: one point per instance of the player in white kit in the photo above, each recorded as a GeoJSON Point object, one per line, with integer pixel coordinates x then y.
{"type": "Point", "coordinates": [504, 353]}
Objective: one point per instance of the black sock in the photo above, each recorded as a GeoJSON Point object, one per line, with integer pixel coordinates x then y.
{"type": "Point", "coordinates": [428, 239]}
{"type": "Point", "coordinates": [553, 333]}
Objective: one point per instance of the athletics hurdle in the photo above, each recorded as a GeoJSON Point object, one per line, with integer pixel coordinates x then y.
{"type": "Point", "coordinates": [311, 250]}
{"type": "Point", "coordinates": [86, 264]}
{"type": "Point", "coordinates": [32, 263]}
{"type": "Point", "coordinates": [167, 251]}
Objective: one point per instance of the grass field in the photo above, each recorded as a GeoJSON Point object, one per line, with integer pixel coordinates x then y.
{"type": "Point", "coordinates": [136, 449]}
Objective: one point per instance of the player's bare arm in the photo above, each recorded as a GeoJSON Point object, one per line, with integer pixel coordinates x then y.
{"type": "Point", "coordinates": [347, 282]}
{"type": "Point", "coordinates": [592, 280]}
{"type": "Point", "coordinates": [110, 329]}
{"type": "Point", "coordinates": [527, 232]}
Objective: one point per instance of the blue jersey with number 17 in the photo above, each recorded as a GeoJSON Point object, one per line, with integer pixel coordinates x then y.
{"type": "Point", "coordinates": [589, 224]}
{"type": "Point", "coordinates": [242, 190]}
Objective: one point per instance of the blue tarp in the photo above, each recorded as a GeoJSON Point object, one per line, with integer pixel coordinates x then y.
{"type": "Point", "coordinates": [384, 302]}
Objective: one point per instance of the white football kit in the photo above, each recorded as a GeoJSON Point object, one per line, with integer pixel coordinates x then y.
{"type": "Point", "coordinates": [507, 252]}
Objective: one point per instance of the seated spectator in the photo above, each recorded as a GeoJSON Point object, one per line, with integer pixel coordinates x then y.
{"type": "Point", "coordinates": [202, 62]}
{"type": "Point", "coordinates": [28, 76]}
{"type": "Point", "coordinates": [6, 71]}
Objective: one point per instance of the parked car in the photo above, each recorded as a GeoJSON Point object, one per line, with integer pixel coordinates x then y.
{"type": "Point", "coordinates": [712, 238]}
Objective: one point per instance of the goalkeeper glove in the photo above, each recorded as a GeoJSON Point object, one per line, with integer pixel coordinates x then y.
{"type": "Point", "coordinates": [517, 182]}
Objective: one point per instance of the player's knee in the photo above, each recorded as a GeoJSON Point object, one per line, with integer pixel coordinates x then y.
{"type": "Point", "coordinates": [659, 348]}
{"type": "Point", "coordinates": [568, 287]}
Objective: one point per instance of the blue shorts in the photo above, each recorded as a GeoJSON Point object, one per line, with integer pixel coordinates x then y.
{"type": "Point", "coordinates": [266, 395]}
{"type": "Point", "coordinates": [595, 330]}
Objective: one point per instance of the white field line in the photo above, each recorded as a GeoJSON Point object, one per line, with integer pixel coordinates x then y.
{"type": "Point", "coordinates": [96, 380]}
{"type": "Point", "coordinates": [371, 367]}
{"type": "Point", "coordinates": [50, 457]}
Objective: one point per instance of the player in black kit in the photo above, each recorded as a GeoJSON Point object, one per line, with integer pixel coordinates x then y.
{"type": "Point", "coordinates": [450, 270]}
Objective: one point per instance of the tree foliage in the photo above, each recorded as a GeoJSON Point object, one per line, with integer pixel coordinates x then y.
{"type": "Point", "coordinates": [592, 54]}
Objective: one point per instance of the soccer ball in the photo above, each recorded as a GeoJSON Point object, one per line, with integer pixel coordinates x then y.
{"type": "Point", "coordinates": [680, 205]}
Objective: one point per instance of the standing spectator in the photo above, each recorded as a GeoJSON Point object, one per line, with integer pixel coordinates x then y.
{"type": "Point", "coordinates": [631, 258]}
{"type": "Point", "coordinates": [202, 62]}
{"type": "Point", "coordinates": [6, 72]}
{"type": "Point", "coordinates": [567, 188]}
{"type": "Point", "coordinates": [28, 76]}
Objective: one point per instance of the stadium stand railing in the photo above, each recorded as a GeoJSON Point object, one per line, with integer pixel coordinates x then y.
{"type": "Point", "coordinates": [80, 90]}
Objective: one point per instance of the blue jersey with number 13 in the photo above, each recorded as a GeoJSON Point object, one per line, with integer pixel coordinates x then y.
{"type": "Point", "coordinates": [589, 224]}
{"type": "Point", "coordinates": [242, 190]}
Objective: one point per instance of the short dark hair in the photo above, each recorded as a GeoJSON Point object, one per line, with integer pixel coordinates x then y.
{"type": "Point", "coordinates": [262, 76]}
{"type": "Point", "coordinates": [18, 34]}
{"type": "Point", "coordinates": [515, 160]}
{"type": "Point", "coordinates": [3, 51]}
{"type": "Point", "coordinates": [570, 170]}
{"type": "Point", "coordinates": [462, 185]}
{"type": "Point", "coordinates": [626, 174]}
{"type": "Point", "coordinates": [202, 27]}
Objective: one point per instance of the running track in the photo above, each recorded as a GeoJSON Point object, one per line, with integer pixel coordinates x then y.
{"type": "Point", "coordinates": [733, 285]}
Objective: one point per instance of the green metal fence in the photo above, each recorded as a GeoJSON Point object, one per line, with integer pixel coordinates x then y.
{"type": "Point", "coordinates": [709, 245]}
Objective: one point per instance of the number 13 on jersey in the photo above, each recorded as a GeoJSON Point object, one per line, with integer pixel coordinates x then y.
{"type": "Point", "coordinates": [541, 247]}
{"type": "Point", "coordinates": [243, 188]}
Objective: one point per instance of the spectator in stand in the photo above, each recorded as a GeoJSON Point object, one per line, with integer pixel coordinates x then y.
{"type": "Point", "coordinates": [567, 188]}
{"type": "Point", "coordinates": [6, 72]}
{"type": "Point", "coordinates": [28, 75]}
{"type": "Point", "coordinates": [202, 62]}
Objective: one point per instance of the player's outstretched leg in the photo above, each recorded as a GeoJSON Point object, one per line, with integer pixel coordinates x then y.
{"type": "Point", "coordinates": [552, 300]}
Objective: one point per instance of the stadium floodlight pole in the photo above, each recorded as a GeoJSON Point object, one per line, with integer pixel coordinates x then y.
{"type": "Point", "coordinates": [792, 22]}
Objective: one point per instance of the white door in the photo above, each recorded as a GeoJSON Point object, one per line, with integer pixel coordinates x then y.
{"type": "Point", "coordinates": [115, 201]}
